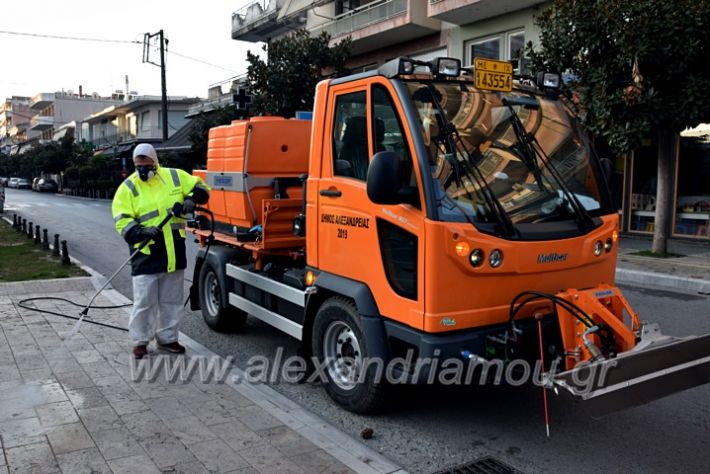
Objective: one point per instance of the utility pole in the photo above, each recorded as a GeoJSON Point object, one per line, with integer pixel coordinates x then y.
{"type": "Point", "coordinates": [164, 91]}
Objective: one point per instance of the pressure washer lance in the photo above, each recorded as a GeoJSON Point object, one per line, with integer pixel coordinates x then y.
{"type": "Point", "coordinates": [175, 211]}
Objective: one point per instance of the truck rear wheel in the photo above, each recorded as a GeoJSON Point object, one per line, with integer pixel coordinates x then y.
{"type": "Point", "coordinates": [338, 340]}
{"type": "Point", "coordinates": [216, 311]}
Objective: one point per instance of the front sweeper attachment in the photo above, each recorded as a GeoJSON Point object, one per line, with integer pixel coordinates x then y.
{"type": "Point", "coordinates": [658, 366]}
{"type": "Point", "coordinates": [614, 362]}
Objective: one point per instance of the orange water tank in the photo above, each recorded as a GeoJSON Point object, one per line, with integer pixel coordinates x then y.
{"type": "Point", "coordinates": [252, 160]}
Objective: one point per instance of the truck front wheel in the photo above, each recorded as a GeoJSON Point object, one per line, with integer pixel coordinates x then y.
{"type": "Point", "coordinates": [216, 311]}
{"type": "Point", "coordinates": [353, 380]}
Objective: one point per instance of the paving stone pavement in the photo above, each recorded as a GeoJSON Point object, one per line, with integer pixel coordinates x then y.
{"type": "Point", "coordinates": [73, 406]}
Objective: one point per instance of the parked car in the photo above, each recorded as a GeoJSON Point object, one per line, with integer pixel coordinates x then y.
{"type": "Point", "coordinates": [35, 182]}
{"type": "Point", "coordinates": [3, 181]}
{"type": "Point", "coordinates": [13, 182]}
{"type": "Point", "coordinates": [23, 183]}
{"type": "Point", "coordinates": [47, 185]}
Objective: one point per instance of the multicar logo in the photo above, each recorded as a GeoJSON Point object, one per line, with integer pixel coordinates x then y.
{"type": "Point", "coordinates": [551, 257]}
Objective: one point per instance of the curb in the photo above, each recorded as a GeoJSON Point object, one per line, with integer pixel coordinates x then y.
{"type": "Point", "coordinates": [626, 276]}
{"type": "Point", "coordinates": [330, 439]}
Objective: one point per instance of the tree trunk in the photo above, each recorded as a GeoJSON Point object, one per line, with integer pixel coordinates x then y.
{"type": "Point", "coordinates": [667, 148]}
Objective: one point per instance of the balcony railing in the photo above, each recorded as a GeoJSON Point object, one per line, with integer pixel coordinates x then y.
{"type": "Point", "coordinates": [252, 12]}
{"type": "Point", "coordinates": [41, 122]}
{"type": "Point", "coordinates": [361, 17]}
{"type": "Point", "coordinates": [105, 141]}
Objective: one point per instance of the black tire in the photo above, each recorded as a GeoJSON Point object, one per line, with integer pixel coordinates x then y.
{"type": "Point", "coordinates": [338, 317]}
{"type": "Point", "coordinates": [216, 311]}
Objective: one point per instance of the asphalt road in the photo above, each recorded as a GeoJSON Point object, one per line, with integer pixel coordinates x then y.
{"type": "Point", "coordinates": [436, 427]}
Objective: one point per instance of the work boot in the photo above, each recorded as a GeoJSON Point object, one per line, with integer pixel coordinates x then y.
{"type": "Point", "coordinates": [174, 347]}
{"type": "Point", "coordinates": [140, 351]}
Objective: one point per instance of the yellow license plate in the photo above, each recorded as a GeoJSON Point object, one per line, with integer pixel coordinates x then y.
{"type": "Point", "coordinates": [493, 75]}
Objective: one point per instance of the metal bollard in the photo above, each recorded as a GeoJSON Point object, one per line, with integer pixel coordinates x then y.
{"type": "Point", "coordinates": [65, 253]}
{"type": "Point", "coordinates": [14, 221]}
{"type": "Point", "coordinates": [38, 235]}
{"type": "Point", "coordinates": [45, 239]}
{"type": "Point", "coordinates": [56, 245]}
{"type": "Point", "coordinates": [30, 230]}
{"type": "Point", "coordinates": [24, 226]}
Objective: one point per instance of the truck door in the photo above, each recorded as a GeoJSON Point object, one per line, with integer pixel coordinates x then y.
{"type": "Point", "coordinates": [381, 246]}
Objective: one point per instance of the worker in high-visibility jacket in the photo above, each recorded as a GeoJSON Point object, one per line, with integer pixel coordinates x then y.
{"type": "Point", "coordinates": [141, 202]}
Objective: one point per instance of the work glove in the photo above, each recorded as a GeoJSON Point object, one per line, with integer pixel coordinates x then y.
{"type": "Point", "coordinates": [150, 233]}
{"type": "Point", "coordinates": [188, 206]}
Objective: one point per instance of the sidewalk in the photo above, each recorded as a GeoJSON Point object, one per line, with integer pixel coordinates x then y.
{"type": "Point", "coordinates": [691, 272]}
{"type": "Point", "coordinates": [72, 406]}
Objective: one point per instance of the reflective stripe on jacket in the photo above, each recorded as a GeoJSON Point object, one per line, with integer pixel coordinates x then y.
{"type": "Point", "coordinates": [146, 203]}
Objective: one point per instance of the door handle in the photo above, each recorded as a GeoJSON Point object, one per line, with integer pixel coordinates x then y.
{"type": "Point", "coordinates": [331, 192]}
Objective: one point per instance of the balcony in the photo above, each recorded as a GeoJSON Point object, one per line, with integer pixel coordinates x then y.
{"type": "Point", "coordinates": [380, 23]}
{"type": "Point", "coordinates": [40, 101]}
{"type": "Point", "coordinates": [462, 12]}
{"type": "Point", "coordinates": [41, 122]}
{"type": "Point", "coordinates": [106, 141]}
{"type": "Point", "coordinates": [262, 20]}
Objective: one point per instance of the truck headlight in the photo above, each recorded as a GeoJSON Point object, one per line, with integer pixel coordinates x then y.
{"type": "Point", "coordinates": [598, 248]}
{"type": "Point", "coordinates": [495, 259]}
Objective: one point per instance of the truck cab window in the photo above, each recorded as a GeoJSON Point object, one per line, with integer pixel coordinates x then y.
{"type": "Point", "coordinates": [350, 149]}
{"type": "Point", "coordinates": [388, 134]}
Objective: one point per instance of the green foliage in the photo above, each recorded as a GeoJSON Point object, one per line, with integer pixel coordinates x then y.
{"type": "Point", "coordinates": [600, 41]}
{"type": "Point", "coordinates": [286, 81]}
{"type": "Point", "coordinates": [45, 158]}
{"type": "Point", "coordinates": [199, 135]}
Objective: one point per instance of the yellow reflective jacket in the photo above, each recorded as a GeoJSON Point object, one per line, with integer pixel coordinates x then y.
{"type": "Point", "coordinates": [146, 203]}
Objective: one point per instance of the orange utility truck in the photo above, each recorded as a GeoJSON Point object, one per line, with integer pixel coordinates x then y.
{"type": "Point", "coordinates": [437, 212]}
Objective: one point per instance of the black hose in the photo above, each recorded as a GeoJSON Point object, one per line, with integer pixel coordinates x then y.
{"type": "Point", "coordinates": [22, 304]}
{"type": "Point", "coordinates": [572, 308]}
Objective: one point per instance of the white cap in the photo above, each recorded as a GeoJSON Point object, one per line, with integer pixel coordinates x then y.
{"type": "Point", "coordinates": [145, 150]}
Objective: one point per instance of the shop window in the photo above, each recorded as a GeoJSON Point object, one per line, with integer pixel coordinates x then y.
{"type": "Point", "coordinates": [692, 216]}
{"type": "Point", "coordinates": [643, 187]}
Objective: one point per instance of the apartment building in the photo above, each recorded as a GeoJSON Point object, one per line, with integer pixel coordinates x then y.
{"type": "Point", "coordinates": [15, 117]}
{"type": "Point", "coordinates": [54, 109]}
{"type": "Point", "coordinates": [116, 129]}
{"type": "Point", "coordinates": [384, 29]}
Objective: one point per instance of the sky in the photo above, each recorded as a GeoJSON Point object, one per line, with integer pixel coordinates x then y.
{"type": "Point", "coordinates": [198, 29]}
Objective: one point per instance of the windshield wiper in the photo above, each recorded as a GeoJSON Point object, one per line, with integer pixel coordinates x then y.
{"type": "Point", "coordinates": [494, 206]}
{"type": "Point", "coordinates": [531, 150]}
{"type": "Point", "coordinates": [527, 151]}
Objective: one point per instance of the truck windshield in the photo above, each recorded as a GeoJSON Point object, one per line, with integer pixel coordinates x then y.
{"type": "Point", "coordinates": [531, 154]}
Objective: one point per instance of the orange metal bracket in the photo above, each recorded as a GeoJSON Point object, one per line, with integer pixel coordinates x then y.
{"type": "Point", "coordinates": [603, 305]}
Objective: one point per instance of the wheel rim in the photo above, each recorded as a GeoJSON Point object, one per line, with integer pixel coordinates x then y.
{"type": "Point", "coordinates": [212, 294]}
{"type": "Point", "coordinates": [341, 350]}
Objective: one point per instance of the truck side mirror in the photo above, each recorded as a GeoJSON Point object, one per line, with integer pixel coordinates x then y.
{"type": "Point", "coordinates": [384, 181]}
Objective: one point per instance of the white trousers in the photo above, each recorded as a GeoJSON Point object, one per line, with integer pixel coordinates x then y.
{"type": "Point", "coordinates": [157, 307]}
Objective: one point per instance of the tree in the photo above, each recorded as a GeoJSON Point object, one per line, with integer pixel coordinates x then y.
{"type": "Point", "coordinates": [638, 69]}
{"type": "Point", "coordinates": [286, 81]}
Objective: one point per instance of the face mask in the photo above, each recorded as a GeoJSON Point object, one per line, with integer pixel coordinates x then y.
{"type": "Point", "coordinates": [145, 172]}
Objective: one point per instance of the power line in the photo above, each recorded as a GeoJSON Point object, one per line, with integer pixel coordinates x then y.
{"type": "Point", "coordinates": [74, 38]}
{"type": "Point", "coordinates": [103, 40]}
{"type": "Point", "coordinates": [200, 61]}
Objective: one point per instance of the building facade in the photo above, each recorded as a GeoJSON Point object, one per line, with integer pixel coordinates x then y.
{"type": "Point", "coordinates": [117, 128]}
{"type": "Point", "coordinates": [54, 109]}
{"type": "Point", "coordinates": [381, 30]}
{"type": "Point", "coordinates": [15, 118]}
